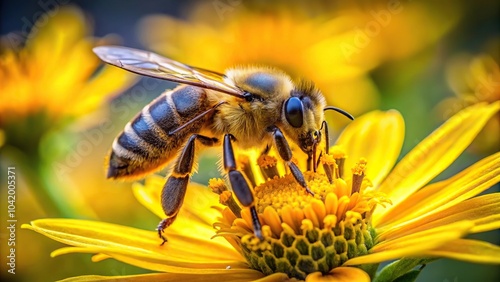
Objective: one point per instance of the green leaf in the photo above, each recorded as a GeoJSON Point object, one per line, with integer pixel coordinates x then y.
{"type": "Point", "coordinates": [371, 269]}
{"type": "Point", "coordinates": [400, 268]}
{"type": "Point", "coordinates": [409, 276]}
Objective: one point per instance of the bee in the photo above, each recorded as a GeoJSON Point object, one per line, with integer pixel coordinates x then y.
{"type": "Point", "coordinates": [253, 107]}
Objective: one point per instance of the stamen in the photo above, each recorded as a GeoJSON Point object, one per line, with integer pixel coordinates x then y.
{"type": "Point", "coordinates": [226, 198]}
{"type": "Point", "coordinates": [244, 164]}
{"type": "Point", "coordinates": [358, 173]}
{"type": "Point", "coordinates": [267, 166]}
{"type": "Point", "coordinates": [217, 185]}
{"type": "Point", "coordinates": [330, 167]}
{"type": "Point", "coordinates": [339, 156]}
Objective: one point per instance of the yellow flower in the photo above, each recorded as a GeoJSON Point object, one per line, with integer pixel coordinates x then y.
{"type": "Point", "coordinates": [54, 74]}
{"type": "Point", "coordinates": [50, 79]}
{"type": "Point", "coordinates": [371, 215]}
{"type": "Point", "coordinates": [335, 45]}
{"type": "Point", "coordinates": [475, 79]}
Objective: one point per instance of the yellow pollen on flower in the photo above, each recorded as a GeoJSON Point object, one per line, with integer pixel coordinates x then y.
{"type": "Point", "coordinates": [244, 165]}
{"type": "Point", "coordinates": [267, 166]}
{"type": "Point", "coordinates": [328, 159]}
{"type": "Point", "coordinates": [339, 155]}
{"type": "Point", "coordinates": [360, 167]}
{"type": "Point", "coordinates": [358, 173]}
{"type": "Point", "coordinates": [337, 152]}
{"type": "Point", "coordinates": [303, 233]}
{"type": "Point", "coordinates": [330, 166]}
{"type": "Point", "coordinates": [217, 185]}
{"type": "Point", "coordinates": [266, 161]}
{"type": "Point", "coordinates": [226, 198]}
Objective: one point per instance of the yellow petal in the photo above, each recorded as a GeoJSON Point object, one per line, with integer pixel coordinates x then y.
{"type": "Point", "coordinates": [186, 266]}
{"type": "Point", "coordinates": [223, 275]}
{"type": "Point", "coordinates": [196, 215]}
{"type": "Point", "coordinates": [57, 60]}
{"type": "Point", "coordinates": [109, 82]}
{"type": "Point", "coordinates": [58, 34]}
{"type": "Point", "coordinates": [378, 137]}
{"type": "Point", "coordinates": [469, 250]}
{"type": "Point", "coordinates": [100, 257]}
{"type": "Point", "coordinates": [483, 211]}
{"type": "Point", "coordinates": [434, 154]}
{"type": "Point", "coordinates": [149, 194]}
{"type": "Point", "coordinates": [115, 239]}
{"type": "Point", "coordinates": [72, 250]}
{"type": "Point", "coordinates": [413, 245]}
{"type": "Point", "coordinates": [74, 69]}
{"type": "Point", "coordinates": [444, 194]}
{"type": "Point", "coordinates": [340, 274]}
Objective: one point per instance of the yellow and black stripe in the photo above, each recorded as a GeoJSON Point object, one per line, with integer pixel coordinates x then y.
{"type": "Point", "coordinates": [146, 143]}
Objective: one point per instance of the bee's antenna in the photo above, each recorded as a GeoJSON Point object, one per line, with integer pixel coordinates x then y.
{"type": "Point", "coordinates": [348, 115]}
{"type": "Point", "coordinates": [324, 126]}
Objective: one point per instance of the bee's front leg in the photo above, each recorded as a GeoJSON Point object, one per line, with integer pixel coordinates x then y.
{"type": "Point", "coordinates": [174, 189]}
{"type": "Point", "coordinates": [239, 184]}
{"type": "Point", "coordinates": [286, 154]}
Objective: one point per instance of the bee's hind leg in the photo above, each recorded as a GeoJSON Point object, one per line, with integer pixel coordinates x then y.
{"type": "Point", "coordinates": [174, 189]}
{"type": "Point", "coordinates": [239, 184]}
{"type": "Point", "coordinates": [164, 224]}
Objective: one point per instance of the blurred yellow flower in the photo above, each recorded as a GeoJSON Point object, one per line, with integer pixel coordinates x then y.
{"type": "Point", "coordinates": [56, 73]}
{"type": "Point", "coordinates": [51, 81]}
{"type": "Point", "coordinates": [475, 79]}
{"type": "Point", "coordinates": [335, 45]}
{"type": "Point", "coordinates": [374, 214]}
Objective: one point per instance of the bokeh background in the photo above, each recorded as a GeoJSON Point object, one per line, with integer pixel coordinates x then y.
{"type": "Point", "coordinates": [60, 109]}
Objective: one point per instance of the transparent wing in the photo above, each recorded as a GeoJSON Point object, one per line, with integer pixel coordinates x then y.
{"type": "Point", "coordinates": [153, 65]}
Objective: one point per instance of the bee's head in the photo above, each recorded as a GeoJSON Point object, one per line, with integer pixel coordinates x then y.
{"type": "Point", "coordinates": [303, 116]}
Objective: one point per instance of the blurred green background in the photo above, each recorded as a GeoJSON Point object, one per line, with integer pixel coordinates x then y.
{"type": "Point", "coordinates": [427, 60]}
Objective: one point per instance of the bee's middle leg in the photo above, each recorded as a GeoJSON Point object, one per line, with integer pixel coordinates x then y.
{"type": "Point", "coordinates": [239, 184]}
{"type": "Point", "coordinates": [174, 189]}
{"type": "Point", "coordinates": [286, 154]}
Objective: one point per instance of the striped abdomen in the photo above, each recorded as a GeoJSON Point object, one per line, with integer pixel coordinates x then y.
{"type": "Point", "coordinates": [145, 145]}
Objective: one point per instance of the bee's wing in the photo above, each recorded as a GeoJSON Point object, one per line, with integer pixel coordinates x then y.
{"type": "Point", "coordinates": [154, 65]}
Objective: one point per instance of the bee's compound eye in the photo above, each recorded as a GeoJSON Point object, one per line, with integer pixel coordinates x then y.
{"type": "Point", "coordinates": [294, 112]}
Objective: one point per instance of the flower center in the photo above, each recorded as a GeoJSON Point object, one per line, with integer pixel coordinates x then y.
{"type": "Point", "coordinates": [302, 233]}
